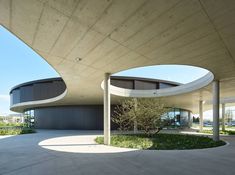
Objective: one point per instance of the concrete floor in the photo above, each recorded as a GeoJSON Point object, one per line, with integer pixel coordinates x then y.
{"type": "Point", "coordinates": [74, 152]}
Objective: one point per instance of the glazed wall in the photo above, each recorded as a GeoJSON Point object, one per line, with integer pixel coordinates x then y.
{"type": "Point", "coordinates": [90, 117]}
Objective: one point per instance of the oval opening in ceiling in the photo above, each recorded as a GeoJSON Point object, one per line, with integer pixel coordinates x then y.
{"type": "Point", "coordinates": [159, 81]}
{"type": "Point", "coordinates": [176, 73]}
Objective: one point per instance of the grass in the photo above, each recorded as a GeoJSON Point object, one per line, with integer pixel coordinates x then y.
{"type": "Point", "coordinates": [162, 141]}
{"type": "Point", "coordinates": [15, 130]}
{"type": "Point", "coordinates": [226, 132]}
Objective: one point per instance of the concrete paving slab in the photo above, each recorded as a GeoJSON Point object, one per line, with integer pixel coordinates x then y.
{"type": "Point", "coordinates": [45, 152]}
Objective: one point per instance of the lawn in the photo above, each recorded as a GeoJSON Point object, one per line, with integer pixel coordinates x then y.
{"type": "Point", "coordinates": [162, 141]}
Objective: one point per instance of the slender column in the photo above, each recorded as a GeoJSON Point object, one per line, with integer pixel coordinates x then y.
{"type": "Point", "coordinates": [223, 117]}
{"type": "Point", "coordinates": [135, 121]}
{"type": "Point", "coordinates": [107, 109]}
{"type": "Point", "coordinates": [215, 92]}
{"type": "Point", "coordinates": [200, 115]}
{"type": "Point", "coordinates": [189, 119]}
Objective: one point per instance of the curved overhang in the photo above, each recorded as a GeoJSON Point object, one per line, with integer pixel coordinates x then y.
{"type": "Point", "coordinates": [45, 88]}
{"type": "Point", "coordinates": [37, 93]}
{"type": "Point", "coordinates": [20, 107]}
{"type": "Point", "coordinates": [83, 40]}
{"type": "Point", "coordinates": [172, 91]}
{"type": "Point", "coordinates": [34, 82]}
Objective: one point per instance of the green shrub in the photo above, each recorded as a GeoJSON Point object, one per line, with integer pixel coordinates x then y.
{"type": "Point", "coordinates": [162, 141]}
{"type": "Point", "coordinates": [2, 124]}
{"type": "Point", "coordinates": [15, 131]}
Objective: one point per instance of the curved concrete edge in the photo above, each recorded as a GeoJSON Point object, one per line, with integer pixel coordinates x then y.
{"type": "Point", "coordinates": [86, 143]}
{"type": "Point", "coordinates": [17, 107]}
{"type": "Point", "coordinates": [182, 89]}
{"type": "Point", "coordinates": [197, 149]}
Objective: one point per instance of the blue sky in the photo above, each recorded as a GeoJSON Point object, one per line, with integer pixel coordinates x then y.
{"type": "Point", "coordinates": [19, 64]}
{"type": "Point", "coordinates": [181, 74]}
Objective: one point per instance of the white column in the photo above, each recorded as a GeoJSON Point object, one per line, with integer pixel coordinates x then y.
{"type": "Point", "coordinates": [190, 119]}
{"type": "Point", "coordinates": [200, 115]}
{"type": "Point", "coordinates": [107, 109]}
{"type": "Point", "coordinates": [216, 94]}
{"type": "Point", "coordinates": [223, 116]}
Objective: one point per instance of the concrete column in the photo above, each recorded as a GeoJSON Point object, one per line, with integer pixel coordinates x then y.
{"type": "Point", "coordinates": [223, 117]}
{"type": "Point", "coordinates": [200, 115]}
{"type": "Point", "coordinates": [135, 121]}
{"type": "Point", "coordinates": [107, 109]}
{"type": "Point", "coordinates": [216, 94]}
{"type": "Point", "coordinates": [189, 119]}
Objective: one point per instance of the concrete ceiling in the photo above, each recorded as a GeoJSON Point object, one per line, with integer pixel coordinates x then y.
{"type": "Point", "coordinates": [114, 35]}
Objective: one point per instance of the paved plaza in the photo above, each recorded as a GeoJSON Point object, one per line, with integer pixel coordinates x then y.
{"type": "Point", "coordinates": [75, 152]}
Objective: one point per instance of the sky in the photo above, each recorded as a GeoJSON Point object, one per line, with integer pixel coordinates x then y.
{"type": "Point", "coordinates": [19, 64]}
{"type": "Point", "coordinates": [181, 74]}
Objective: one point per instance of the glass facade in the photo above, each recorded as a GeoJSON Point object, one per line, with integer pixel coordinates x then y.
{"type": "Point", "coordinates": [176, 117]}
{"type": "Point", "coordinates": [29, 118]}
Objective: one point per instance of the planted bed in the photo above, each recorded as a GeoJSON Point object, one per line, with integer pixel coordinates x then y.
{"type": "Point", "coordinates": [162, 141]}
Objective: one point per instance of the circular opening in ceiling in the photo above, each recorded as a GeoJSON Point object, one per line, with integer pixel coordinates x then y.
{"type": "Point", "coordinates": [159, 80]}
{"type": "Point", "coordinates": [175, 73]}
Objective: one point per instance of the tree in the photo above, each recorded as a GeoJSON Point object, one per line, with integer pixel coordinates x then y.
{"type": "Point", "coordinates": [146, 112]}
{"type": "Point", "coordinates": [122, 115]}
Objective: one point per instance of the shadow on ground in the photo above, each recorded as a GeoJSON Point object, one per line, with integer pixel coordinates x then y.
{"type": "Point", "coordinates": [22, 155]}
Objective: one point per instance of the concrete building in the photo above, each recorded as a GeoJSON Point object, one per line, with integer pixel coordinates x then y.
{"type": "Point", "coordinates": [88, 117]}
{"type": "Point", "coordinates": [87, 41]}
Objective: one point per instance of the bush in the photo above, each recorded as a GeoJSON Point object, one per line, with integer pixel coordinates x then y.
{"type": "Point", "coordinates": [162, 141]}
{"type": "Point", "coordinates": [2, 124]}
{"type": "Point", "coordinates": [15, 130]}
